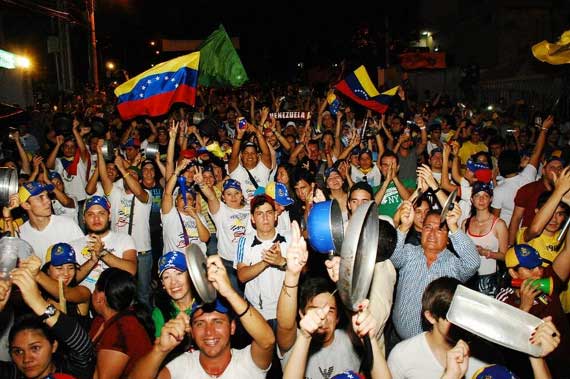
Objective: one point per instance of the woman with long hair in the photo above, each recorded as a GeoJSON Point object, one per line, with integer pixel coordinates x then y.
{"type": "Point", "coordinates": [175, 296]}
{"type": "Point", "coordinates": [490, 235]}
{"type": "Point", "coordinates": [121, 333]}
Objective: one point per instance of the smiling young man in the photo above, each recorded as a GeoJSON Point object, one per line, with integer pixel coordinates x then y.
{"type": "Point", "coordinates": [211, 326]}
{"type": "Point", "coordinates": [43, 228]}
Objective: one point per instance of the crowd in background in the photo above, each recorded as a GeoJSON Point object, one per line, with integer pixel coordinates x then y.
{"type": "Point", "coordinates": [113, 208]}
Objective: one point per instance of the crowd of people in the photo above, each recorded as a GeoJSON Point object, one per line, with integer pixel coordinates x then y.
{"type": "Point", "coordinates": [113, 208]}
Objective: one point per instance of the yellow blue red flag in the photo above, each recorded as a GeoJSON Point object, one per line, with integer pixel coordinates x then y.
{"type": "Point", "coordinates": [358, 86]}
{"type": "Point", "coordinates": [153, 92]}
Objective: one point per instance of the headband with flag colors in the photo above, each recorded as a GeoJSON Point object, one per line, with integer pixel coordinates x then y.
{"type": "Point", "coordinates": [154, 91]}
{"type": "Point", "coordinates": [358, 86]}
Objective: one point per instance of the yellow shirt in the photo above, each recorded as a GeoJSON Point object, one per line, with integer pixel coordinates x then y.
{"type": "Point", "coordinates": [547, 247]}
{"type": "Point", "coordinates": [468, 149]}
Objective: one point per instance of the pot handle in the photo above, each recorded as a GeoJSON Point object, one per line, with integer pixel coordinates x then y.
{"type": "Point", "coordinates": [367, 357]}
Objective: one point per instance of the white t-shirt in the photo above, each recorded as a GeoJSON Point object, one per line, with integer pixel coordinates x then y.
{"type": "Point", "coordinates": [59, 229]}
{"type": "Point", "coordinates": [413, 359]}
{"type": "Point", "coordinates": [504, 194]}
{"type": "Point", "coordinates": [187, 365]}
{"type": "Point", "coordinates": [231, 225]}
{"type": "Point", "coordinates": [284, 223]}
{"type": "Point", "coordinates": [172, 232]}
{"type": "Point", "coordinates": [373, 177]}
{"type": "Point", "coordinates": [115, 243]}
{"type": "Point", "coordinates": [100, 192]}
{"type": "Point", "coordinates": [334, 359]}
{"type": "Point", "coordinates": [74, 184]}
{"type": "Point", "coordinates": [260, 173]}
{"type": "Point", "coordinates": [120, 215]}
{"type": "Point", "coordinates": [60, 210]}
{"type": "Point", "coordinates": [263, 290]}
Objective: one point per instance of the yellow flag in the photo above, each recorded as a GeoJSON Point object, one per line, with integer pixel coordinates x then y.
{"type": "Point", "coordinates": [554, 53]}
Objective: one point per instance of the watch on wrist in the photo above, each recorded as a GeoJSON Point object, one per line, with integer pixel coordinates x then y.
{"type": "Point", "coordinates": [284, 265]}
{"type": "Point", "coordinates": [103, 252]}
{"type": "Point", "coordinates": [49, 312]}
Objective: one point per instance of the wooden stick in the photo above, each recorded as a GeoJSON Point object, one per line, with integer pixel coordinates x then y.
{"type": "Point", "coordinates": [62, 301]}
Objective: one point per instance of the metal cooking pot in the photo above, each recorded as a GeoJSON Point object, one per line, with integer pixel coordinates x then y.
{"type": "Point", "coordinates": [108, 151]}
{"type": "Point", "coordinates": [196, 262]}
{"type": "Point", "coordinates": [197, 118]}
{"type": "Point", "coordinates": [358, 255]}
{"type": "Point", "coordinates": [8, 184]}
{"type": "Point", "coordinates": [151, 151]}
{"type": "Point", "coordinates": [12, 249]}
{"type": "Point", "coordinates": [325, 227]}
{"type": "Point", "coordinates": [448, 205]}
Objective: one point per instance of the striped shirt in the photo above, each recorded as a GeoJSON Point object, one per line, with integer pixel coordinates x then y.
{"type": "Point", "coordinates": [415, 275]}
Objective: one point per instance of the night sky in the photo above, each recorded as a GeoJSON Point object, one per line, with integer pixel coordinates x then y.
{"type": "Point", "coordinates": [274, 35]}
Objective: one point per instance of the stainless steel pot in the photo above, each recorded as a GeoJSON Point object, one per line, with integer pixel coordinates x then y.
{"type": "Point", "coordinates": [196, 262]}
{"type": "Point", "coordinates": [8, 184]}
{"type": "Point", "coordinates": [151, 151]}
{"type": "Point", "coordinates": [108, 151]}
{"type": "Point", "coordinates": [12, 249]}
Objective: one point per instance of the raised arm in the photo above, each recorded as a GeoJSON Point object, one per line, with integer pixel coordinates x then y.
{"type": "Point", "coordinates": [263, 339]}
{"type": "Point", "coordinates": [83, 152]}
{"type": "Point", "coordinates": [297, 256]}
{"type": "Point", "coordinates": [21, 153]}
{"type": "Point", "coordinates": [208, 192]}
{"type": "Point", "coordinates": [423, 143]}
{"type": "Point", "coordinates": [133, 184]}
{"type": "Point", "coordinates": [265, 154]}
{"type": "Point", "coordinates": [102, 167]}
{"type": "Point", "coordinates": [545, 213]}
{"type": "Point", "coordinates": [172, 132]}
{"type": "Point", "coordinates": [167, 198]}
{"type": "Point", "coordinates": [50, 163]}
{"type": "Point", "coordinates": [539, 147]}
{"type": "Point", "coordinates": [236, 148]}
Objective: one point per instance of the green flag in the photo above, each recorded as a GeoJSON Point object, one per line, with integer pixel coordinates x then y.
{"type": "Point", "coordinates": [220, 65]}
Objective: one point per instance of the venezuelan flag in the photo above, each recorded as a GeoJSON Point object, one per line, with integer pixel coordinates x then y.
{"type": "Point", "coordinates": [152, 92]}
{"type": "Point", "coordinates": [358, 86]}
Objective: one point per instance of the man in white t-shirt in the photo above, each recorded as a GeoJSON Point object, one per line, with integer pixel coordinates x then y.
{"type": "Point", "coordinates": [43, 228]}
{"type": "Point", "coordinates": [250, 163]}
{"type": "Point", "coordinates": [130, 213]}
{"type": "Point", "coordinates": [181, 223]}
{"type": "Point", "coordinates": [424, 355]}
{"type": "Point", "coordinates": [260, 260]}
{"type": "Point", "coordinates": [72, 165]}
{"type": "Point", "coordinates": [102, 248]}
{"type": "Point", "coordinates": [503, 204]}
{"type": "Point", "coordinates": [211, 326]}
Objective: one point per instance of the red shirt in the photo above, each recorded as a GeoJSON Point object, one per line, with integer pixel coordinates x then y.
{"type": "Point", "coordinates": [527, 197]}
{"type": "Point", "coordinates": [123, 333]}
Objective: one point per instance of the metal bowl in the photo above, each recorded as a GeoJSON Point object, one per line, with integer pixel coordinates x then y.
{"type": "Point", "coordinates": [196, 262]}
{"type": "Point", "coordinates": [325, 227]}
{"type": "Point", "coordinates": [8, 184]}
{"type": "Point", "coordinates": [358, 255]}
{"type": "Point", "coordinates": [108, 150]}
{"type": "Point", "coordinates": [151, 151]}
{"type": "Point", "coordinates": [12, 249]}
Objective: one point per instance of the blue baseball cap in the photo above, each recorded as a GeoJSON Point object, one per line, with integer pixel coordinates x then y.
{"type": "Point", "coordinates": [494, 372]}
{"type": "Point", "coordinates": [278, 192]}
{"type": "Point", "coordinates": [172, 259]}
{"type": "Point", "coordinates": [60, 254]}
{"type": "Point", "coordinates": [348, 375]}
{"type": "Point", "coordinates": [132, 142]}
{"type": "Point", "coordinates": [231, 183]}
{"type": "Point", "coordinates": [54, 175]}
{"type": "Point", "coordinates": [97, 200]}
{"type": "Point", "coordinates": [30, 189]}
{"type": "Point", "coordinates": [216, 306]}
{"type": "Point", "coordinates": [522, 255]}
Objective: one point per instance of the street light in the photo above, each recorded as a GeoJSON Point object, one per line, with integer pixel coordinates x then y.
{"type": "Point", "coordinates": [157, 52]}
{"type": "Point", "coordinates": [110, 66]}
{"type": "Point", "coordinates": [152, 43]}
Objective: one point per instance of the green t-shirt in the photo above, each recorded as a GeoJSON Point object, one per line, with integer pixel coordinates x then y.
{"type": "Point", "coordinates": [392, 199]}
{"type": "Point", "coordinates": [158, 317]}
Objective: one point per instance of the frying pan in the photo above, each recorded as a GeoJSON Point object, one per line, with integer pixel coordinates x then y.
{"type": "Point", "coordinates": [448, 205]}
{"type": "Point", "coordinates": [325, 227]}
{"type": "Point", "coordinates": [196, 262]}
{"type": "Point", "coordinates": [357, 260]}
